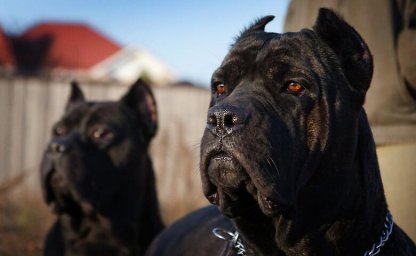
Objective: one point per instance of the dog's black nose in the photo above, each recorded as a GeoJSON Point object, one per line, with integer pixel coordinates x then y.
{"type": "Point", "coordinates": [224, 120]}
{"type": "Point", "coordinates": [59, 146]}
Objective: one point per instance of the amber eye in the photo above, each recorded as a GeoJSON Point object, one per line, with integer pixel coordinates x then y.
{"type": "Point", "coordinates": [98, 133]}
{"type": "Point", "coordinates": [101, 133]}
{"type": "Point", "coordinates": [295, 88]}
{"type": "Point", "coordinates": [220, 89]}
{"type": "Point", "coordinates": [59, 130]}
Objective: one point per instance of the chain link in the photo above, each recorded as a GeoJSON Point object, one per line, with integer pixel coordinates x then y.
{"type": "Point", "coordinates": [233, 238]}
{"type": "Point", "coordinates": [388, 228]}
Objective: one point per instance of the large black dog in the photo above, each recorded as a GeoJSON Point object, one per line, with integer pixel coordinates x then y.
{"type": "Point", "coordinates": [97, 174]}
{"type": "Point", "coordinates": [288, 154]}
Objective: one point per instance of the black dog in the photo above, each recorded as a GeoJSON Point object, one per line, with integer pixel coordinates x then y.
{"type": "Point", "coordinates": [97, 174]}
{"type": "Point", "coordinates": [288, 154]}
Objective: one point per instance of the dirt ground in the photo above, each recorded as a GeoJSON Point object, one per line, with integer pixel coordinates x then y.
{"type": "Point", "coordinates": [24, 220]}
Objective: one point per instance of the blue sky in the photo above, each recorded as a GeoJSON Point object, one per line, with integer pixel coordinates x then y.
{"type": "Point", "coordinates": [190, 36]}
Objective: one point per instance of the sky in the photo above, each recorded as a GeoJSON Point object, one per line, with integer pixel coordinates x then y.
{"type": "Point", "coordinates": [190, 36]}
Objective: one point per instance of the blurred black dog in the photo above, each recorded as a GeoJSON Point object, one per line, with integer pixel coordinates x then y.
{"type": "Point", "coordinates": [97, 174]}
{"type": "Point", "coordinates": [288, 154]}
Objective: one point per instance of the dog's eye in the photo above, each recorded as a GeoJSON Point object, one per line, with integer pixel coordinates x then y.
{"type": "Point", "coordinates": [101, 133]}
{"type": "Point", "coordinates": [294, 88]}
{"type": "Point", "coordinates": [220, 89]}
{"type": "Point", "coordinates": [59, 130]}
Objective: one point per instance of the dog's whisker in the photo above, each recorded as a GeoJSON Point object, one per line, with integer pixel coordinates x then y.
{"type": "Point", "coordinates": [275, 166]}
{"type": "Point", "coordinates": [195, 146]}
{"type": "Point", "coordinates": [269, 173]}
{"type": "Point", "coordinates": [270, 177]}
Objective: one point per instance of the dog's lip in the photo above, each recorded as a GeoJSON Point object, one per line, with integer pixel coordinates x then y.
{"type": "Point", "coordinates": [222, 157]}
{"type": "Point", "coordinates": [60, 193]}
{"type": "Point", "coordinates": [271, 204]}
{"type": "Point", "coordinates": [57, 188]}
{"type": "Point", "coordinates": [213, 198]}
{"type": "Point", "coordinates": [216, 154]}
{"type": "Point", "coordinates": [236, 203]}
{"type": "Point", "coordinates": [219, 155]}
{"type": "Point", "coordinates": [48, 180]}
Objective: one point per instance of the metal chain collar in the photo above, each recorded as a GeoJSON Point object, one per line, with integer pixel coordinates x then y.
{"type": "Point", "coordinates": [236, 243]}
{"type": "Point", "coordinates": [388, 227]}
{"type": "Point", "coordinates": [232, 238]}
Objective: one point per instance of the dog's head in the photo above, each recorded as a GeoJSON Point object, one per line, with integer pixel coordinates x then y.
{"type": "Point", "coordinates": [97, 149]}
{"type": "Point", "coordinates": [283, 117]}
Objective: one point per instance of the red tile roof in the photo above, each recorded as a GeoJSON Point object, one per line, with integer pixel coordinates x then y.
{"type": "Point", "coordinates": [72, 45]}
{"type": "Point", "coordinates": [6, 57]}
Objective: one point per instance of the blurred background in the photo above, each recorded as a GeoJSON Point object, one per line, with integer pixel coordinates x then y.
{"type": "Point", "coordinates": [107, 45]}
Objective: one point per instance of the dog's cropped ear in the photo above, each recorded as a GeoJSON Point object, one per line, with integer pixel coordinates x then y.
{"type": "Point", "coordinates": [350, 48]}
{"type": "Point", "coordinates": [75, 96]}
{"type": "Point", "coordinates": [257, 25]}
{"type": "Point", "coordinates": [140, 99]}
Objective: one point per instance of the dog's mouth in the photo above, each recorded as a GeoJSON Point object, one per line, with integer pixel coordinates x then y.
{"type": "Point", "coordinates": [224, 170]}
{"type": "Point", "coordinates": [62, 199]}
{"type": "Point", "coordinates": [229, 186]}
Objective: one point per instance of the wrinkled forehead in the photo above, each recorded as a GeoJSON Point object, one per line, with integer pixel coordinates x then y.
{"type": "Point", "coordinates": [248, 47]}
{"type": "Point", "coordinates": [92, 112]}
{"type": "Point", "coordinates": [289, 46]}
{"type": "Point", "coordinates": [300, 50]}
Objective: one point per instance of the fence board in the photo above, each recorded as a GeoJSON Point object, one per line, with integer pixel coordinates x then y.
{"type": "Point", "coordinates": [15, 129]}
{"type": "Point", "coordinates": [4, 109]}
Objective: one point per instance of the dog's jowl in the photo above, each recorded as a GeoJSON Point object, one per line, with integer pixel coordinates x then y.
{"type": "Point", "coordinates": [287, 154]}
{"type": "Point", "coordinates": [97, 175]}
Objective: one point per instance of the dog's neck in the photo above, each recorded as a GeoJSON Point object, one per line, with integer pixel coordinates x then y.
{"type": "Point", "coordinates": [132, 225]}
{"type": "Point", "coordinates": [141, 214]}
{"type": "Point", "coordinates": [347, 223]}
{"type": "Point", "coordinates": [150, 222]}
